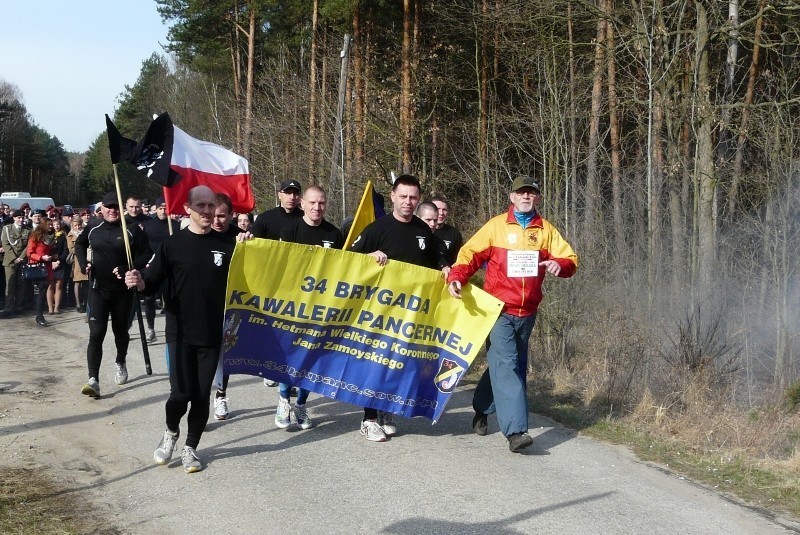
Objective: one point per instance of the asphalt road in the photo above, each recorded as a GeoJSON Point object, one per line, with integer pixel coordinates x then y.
{"type": "Point", "coordinates": [261, 479]}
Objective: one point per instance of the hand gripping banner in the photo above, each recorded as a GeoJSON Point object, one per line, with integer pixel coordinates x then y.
{"type": "Point", "coordinates": [338, 324]}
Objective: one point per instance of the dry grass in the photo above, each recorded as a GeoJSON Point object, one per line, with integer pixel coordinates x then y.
{"type": "Point", "coordinates": [31, 504]}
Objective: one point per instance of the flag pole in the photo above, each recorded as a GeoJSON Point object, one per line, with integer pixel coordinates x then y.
{"type": "Point", "coordinates": [129, 256]}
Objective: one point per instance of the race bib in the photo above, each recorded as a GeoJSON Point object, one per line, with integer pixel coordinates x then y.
{"type": "Point", "coordinates": [522, 264]}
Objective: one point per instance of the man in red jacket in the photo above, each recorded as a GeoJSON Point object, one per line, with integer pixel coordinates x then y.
{"type": "Point", "coordinates": [518, 248]}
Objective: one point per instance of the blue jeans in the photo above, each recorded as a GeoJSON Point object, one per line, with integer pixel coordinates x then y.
{"type": "Point", "coordinates": [302, 393]}
{"type": "Point", "coordinates": [502, 388]}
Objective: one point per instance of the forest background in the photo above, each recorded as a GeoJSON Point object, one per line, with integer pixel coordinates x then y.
{"type": "Point", "coordinates": [664, 136]}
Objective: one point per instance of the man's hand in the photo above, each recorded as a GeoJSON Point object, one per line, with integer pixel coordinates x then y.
{"type": "Point", "coordinates": [244, 236]}
{"type": "Point", "coordinates": [380, 257]}
{"type": "Point", "coordinates": [88, 269]}
{"type": "Point", "coordinates": [455, 289]}
{"type": "Point", "coordinates": [551, 266]}
{"type": "Point", "coordinates": [445, 272]}
{"type": "Point", "coordinates": [133, 279]}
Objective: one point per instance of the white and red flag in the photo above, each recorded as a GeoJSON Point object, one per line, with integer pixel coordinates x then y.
{"type": "Point", "coordinates": [192, 162]}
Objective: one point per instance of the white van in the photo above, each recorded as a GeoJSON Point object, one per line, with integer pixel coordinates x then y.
{"type": "Point", "coordinates": [15, 199]}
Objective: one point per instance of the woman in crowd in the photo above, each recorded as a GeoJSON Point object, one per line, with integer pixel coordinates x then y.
{"type": "Point", "coordinates": [55, 290]}
{"type": "Point", "coordinates": [244, 222]}
{"type": "Point", "coordinates": [40, 249]}
{"type": "Point", "coordinates": [78, 278]}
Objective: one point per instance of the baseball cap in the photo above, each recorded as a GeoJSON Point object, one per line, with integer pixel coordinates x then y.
{"type": "Point", "coordinates": [110, 199]}
{"type": "Point", "coordinates": [289, 184]}
{"type": "Point", "coordinates": [523, 181]}
{"type": "Point", "coordinates": [159, 202]}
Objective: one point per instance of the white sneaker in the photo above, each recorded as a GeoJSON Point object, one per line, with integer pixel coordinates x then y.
{"type": "Point", "coordinates": [168, 443]}
{"type": "Point", "coordinates": [372, 431]}
{"type": "Point", "coordinates": [121, 377]}
{"type": "Point", "coordinates": [386, 421]}
{"type": "Point", "coordinates": [270, 383]}
{"type": "Point", "coordinates": [221, 408]}
{"type": "Point", "coordinates": [151, 336]}
{"type": "Point", "coordinates": [91, 389]}
{"type": "Point", "coordinates": [283, 413]}
{"type": "Point", "coordinates": [191, 462]}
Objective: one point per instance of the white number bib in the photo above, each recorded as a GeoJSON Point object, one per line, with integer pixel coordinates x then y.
{"type": "Point", "coordinates": [522, 264]}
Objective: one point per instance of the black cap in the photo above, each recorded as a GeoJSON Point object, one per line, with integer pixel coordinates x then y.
{"type": "Point", "coordinates": [160, 201]}
{"type": "Point", "coordinates": [524, 182]}
{"type": "Point", "coordinates": [110, 199]}
{"type": "Point", "coordinates": [18, 213]}
{"type": "Point", "coordinates": [289, 184]}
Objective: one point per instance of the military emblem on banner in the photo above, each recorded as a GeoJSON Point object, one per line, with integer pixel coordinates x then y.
{"type": "Point", "coordinates": [448, 375]}
{"type": "Point", "coordinates": [231, 334]}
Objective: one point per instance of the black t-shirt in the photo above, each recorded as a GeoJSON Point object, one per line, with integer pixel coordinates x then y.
{"type": "Point", "coordinates": [410, 242]}
{"type": "Point", "coordinates": [452, 240]}
{"type": "Point", "coordinates": [195, 267]}
{"type": "Point", "coordinates": [270, 224]}
{"type": "Point", "coordinates": [157, 231]}
{"type": "Point", "coordinates": [324, 235]}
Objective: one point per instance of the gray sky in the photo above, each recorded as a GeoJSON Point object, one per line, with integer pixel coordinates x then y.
{"type": "Point", "coordinates": [71, 60]}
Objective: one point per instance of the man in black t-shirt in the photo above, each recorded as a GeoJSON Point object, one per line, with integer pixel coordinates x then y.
{"type": "Point", "coordinates": [222, 223]}
{"type": "Point", "coordinates": [447, 233]}
{"type": "Point", "coordinates": [310, 229]}
{"type": "Point", "coordinates": [398, 236]}
{"type": "Point", "coordinates": [269, 224]}
{"type": "Point", "coordinates": [194, 262]}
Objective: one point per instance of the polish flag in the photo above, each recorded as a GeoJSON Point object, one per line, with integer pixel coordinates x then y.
{"type": "Point", "coordinates": [203, 163]}
{"type": "Point", "coordinates": [178, 162]}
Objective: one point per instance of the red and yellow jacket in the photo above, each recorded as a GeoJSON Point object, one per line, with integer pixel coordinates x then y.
{"type": "Point", "coordinates": [491, 246]}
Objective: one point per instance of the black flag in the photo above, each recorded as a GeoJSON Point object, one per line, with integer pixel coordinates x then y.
{"type": "Point", "coordinates": [152, 155]}
{"type": "Point", "coordinates": [122, 149]}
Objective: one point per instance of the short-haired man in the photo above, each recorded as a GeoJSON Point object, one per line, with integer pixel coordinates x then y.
{"type": "Point", "coordinates": [449, 234]}
{"type": "Point", "coordinates": [195, 261]}
{"type": "Point", "coordinates": [398, 236]}
{"type": "Point", "coordinates": [14, 239]}
{"type": "Point", "coordinates": [269, 224]}
{"type": "Point", "coordinates": [518, 248]}
{"type": "Point", "coordinates": [133, 211]}
{"type": "Point", "coordinates": [108, 295]}
{"type": "Point", "coordinates": [310, 229]}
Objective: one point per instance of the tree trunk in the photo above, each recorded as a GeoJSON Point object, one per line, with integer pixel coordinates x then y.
{"type": "Point", "coordinates": [248, 103]}
{"type": "Point", "coordinates": [591, 192]}
{"type": "Point", "coordinates": [405, 90]}
{"type": "Point", "coordinates": [358, 88]}
{"type": "Point", "coordinates": [704, 158]}
{"type": "Point", "coordinates": [572, 183]}
{"type": "Point", "coordinates": [312, 92]}
{"type": "Point", "coordinates": [616, 166]}
{"type": "Point", "coordinates": [745, 118]}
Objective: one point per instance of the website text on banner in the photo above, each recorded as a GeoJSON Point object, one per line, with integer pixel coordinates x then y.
{"type": "Point", "coordinates": [336, 323]}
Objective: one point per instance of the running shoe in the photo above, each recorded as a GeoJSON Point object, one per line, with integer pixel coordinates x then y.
{"type": "Point", "coordinates": [121, 377]}
{"type": "Point", "coordinates": [221, 408]}
{"type": "Point", "coordinates": [301, 417]}
{"type": "Point", "coordinates": [283, 413]}
{"type": "Point", "coordinates": [92, 388]}
{"type": "Point", "coordinates": [151, 336]}
{"type": "Point", "coordinates": [165, 448]}
{"type": "Point", "coordinates": [372, 431]}
{"type": "Point", "coordinates": [191, 462]}
{"type": "Point", "coordinates": [386, 421]}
